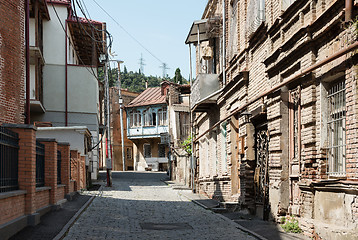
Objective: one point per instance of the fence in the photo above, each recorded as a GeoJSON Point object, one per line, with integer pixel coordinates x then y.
{"type": "Point", "coordinates": [9, 158]}
{"type": "Point", "coordinates": [58, 167]}
{"type": "Point", "coordinates": [40, 164]}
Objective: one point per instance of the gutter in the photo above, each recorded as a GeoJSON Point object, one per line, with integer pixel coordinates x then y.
{"type": "Point", "coordinates": [27, 67]}
{"type": "Point", "coordinates": [282, 84]}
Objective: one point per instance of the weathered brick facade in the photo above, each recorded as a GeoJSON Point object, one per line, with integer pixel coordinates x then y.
{"type": "Point", "coordinates": [12, 61]}
{"type": "Point", "coordinates": [284, 138]}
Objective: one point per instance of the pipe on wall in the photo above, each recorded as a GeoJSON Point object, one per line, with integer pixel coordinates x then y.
{"type": "Point", "coordinates": [66, 76]}
{"type": "Point", "coordinates": [348, 10]}
{"type": "Point", "coordinates": [27, 67]}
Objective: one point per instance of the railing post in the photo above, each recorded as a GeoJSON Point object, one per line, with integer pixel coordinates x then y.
{"type": "Point", "coordinates": [50, 166]}
{"type": "Point", "coordinates": [27, 167]}
{"type": "Point", "coordinates": [64, 148]}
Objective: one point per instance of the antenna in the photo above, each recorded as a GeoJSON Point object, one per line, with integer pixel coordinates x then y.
{"type": "Point", "coordinates": [141, 63]}
{"type": "Point", "coordinates": [165, 68]}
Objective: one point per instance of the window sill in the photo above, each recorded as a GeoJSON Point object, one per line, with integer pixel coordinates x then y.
{"type": "Point", "coordinates": [15, 193]}
{"type": "Point", "coordinates": [41, 189]}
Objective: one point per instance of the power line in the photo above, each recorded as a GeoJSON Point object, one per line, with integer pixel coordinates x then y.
{"type": "Point", "coordinates": [130, 35]}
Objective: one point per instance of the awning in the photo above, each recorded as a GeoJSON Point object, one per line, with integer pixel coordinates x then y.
{"type": "Point", "coordinates": [193, 33]}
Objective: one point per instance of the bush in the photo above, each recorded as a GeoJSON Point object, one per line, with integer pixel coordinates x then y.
{"type": "Point", "coordinates": [290, 224]}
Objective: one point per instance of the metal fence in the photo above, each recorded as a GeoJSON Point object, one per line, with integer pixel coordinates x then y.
{"type": "Point", "coordinates": [40, 164]}
{"type": "Point", "coordinates": [58, 167]}
{"type": "Point", "coordinates": [9, 158]}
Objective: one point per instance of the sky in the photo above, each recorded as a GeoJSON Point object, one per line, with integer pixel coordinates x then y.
{"type": "Point", "coordinates": [161, 26]}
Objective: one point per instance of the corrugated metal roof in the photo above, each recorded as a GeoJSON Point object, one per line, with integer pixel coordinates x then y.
{"type": "Point", "coordinates": [150, 96]}
{"type": "Point", "coordinates": [60, 1]}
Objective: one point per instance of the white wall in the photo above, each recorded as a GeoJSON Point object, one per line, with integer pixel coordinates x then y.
{"type": "Point", "coordinates": [54, 36]}
{"type": "Point", "coordinates": [32, 81]}
{"type": "Point", "coordinates": [32, 32]}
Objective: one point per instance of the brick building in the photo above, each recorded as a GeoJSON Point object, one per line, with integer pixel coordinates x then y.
{"type": "Point", "coordinates": [276, 128]}
{"type": "Point", "coordinates": [116, 138]}
{"type": "Point", "coordinates": [12, 61]}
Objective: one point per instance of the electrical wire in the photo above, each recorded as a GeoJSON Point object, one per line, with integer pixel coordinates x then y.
{"type": "Point", "coordinates": [130, 35]}
{"type": "Point", "coordinates": [63, 28]}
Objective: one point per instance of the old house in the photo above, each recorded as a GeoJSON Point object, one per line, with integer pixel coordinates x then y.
{"type": "Point", "coordinates": [147, 120]}
{"type": "Point", "coordinates": [65, 57]}
{"type": "Point", "coordinates": [179, 131]}
{"type": "Point", "coordinates": [275, 109]}
{"type": "Point", "coordinates": [116, 138]}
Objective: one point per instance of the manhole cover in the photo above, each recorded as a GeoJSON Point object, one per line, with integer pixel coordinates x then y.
{"type": "Point", "coordinates": [165, 226]}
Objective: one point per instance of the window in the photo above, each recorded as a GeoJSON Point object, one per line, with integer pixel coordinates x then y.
{"type": "Point", "coordinates": [147, 150]}
{"type": "Point", "coordinates": [286, 3]}
{"type": "Point", "coordinates": [255, 15]}
{"type": "Point", "coordinates": [162, 116]}
{"type": "Point", "coordinates": [148, 117]}
{"type": "Point", "coordinates": [224, 145]}
{"type": "Point", "coordinates": [161, 150]}
{"type": "Point", "coordinates": [336, 126]}
{"type": "Point", "coordinates": [135, 118]}
{"type": "Point", "coordinates": [233, 31]}
{"type": "Point", "coordinates": [129, 153]}
{"type": "Point", "coordinates": [184, 123]}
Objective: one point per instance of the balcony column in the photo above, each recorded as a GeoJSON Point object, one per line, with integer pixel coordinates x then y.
{"type": "Point", "coordinates": [142, 120]}
{"type": "Point", "coordinates": [156, 120]}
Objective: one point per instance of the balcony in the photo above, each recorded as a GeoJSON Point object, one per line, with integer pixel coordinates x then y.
{"type": "Point", "coordinates": [204, 92]}
{"type": "Point", "coordinates": [146, 132]}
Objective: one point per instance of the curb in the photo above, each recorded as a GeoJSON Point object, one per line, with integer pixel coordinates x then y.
{"type": "Point", "coordinates": [258, 236]}
{"type": "Point", "coordinates": [67, 227]}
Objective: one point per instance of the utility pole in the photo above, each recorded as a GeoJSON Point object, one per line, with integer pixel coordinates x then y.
{"type": "Point", "coordinates": [121, 111]}
{"type": "Point", "coordinates": [108, 159]}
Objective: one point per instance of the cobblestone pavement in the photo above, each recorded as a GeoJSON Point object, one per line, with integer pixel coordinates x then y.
{"type": "Point", "coordinates": [136, 201]}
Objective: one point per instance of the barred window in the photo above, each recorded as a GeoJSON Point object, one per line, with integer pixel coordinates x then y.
{"type": "Point", "coordinates": [147, 151]}
{"type": "Point", "coordinates": [337, 130]}
{"type": "Point", "coordinates": [161, 150]}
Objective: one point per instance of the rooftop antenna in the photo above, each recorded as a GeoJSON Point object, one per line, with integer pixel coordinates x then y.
{"type": "Point", "coordinates": [165, 68]}
{"type": "Point", "coordinates": [141, 63]}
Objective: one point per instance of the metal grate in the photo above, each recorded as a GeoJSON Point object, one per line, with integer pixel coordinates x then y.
{"type": "Point", "coordinates": [58, 167]}
{"type": "Point", "coordinates": [40, 164]}
{"type": "Point", "coordinates": [337, 130]}
{"type": "Point", "coordinates": [9, 158]}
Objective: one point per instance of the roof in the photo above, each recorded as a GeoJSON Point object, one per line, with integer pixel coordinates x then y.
{"type": "Point", "coordinates": [67, 2]}
{"type": "Point", "coordinates": [85, 20]}
{"type": "Point", "coordinates": [150, 96]}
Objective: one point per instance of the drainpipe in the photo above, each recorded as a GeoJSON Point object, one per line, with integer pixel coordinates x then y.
{"type": "Point", "coordinates": [191, 119]}
{"type": "Point", "coordinates": [224, 42]}
{"type": "Point", "coordinates": [348, 10]}
{"type": "Point", "coordinates": [27, 68]}
{"type": "Point", "coordinates": [66, 77]}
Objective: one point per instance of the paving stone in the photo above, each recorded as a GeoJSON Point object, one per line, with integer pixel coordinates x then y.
{"type": "Point", "coordinates": [138, 198]}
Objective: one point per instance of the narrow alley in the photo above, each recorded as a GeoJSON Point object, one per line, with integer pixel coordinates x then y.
{"type": "Point", "coordinates": [141, 206]}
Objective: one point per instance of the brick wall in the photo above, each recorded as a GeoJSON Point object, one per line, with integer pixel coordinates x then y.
{"type": "Point", "coordinates": [12, 61]}
{"type": "Point", "coordinates": [60, 193]}
{"type": "Point", "coordinates": [12, 208]}
{"type": "Point", "coordinates": [42, 199]}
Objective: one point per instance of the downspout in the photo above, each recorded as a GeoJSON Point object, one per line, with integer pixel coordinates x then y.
{"type": "Point", "coordinates": [27, 67]}
{"type": "Point", "coordinates": [224, 43]}
{"type": "Point", "coordinates": [66, 76]}
{"type": "Point", "coordinates": [348, 10]}
{"type": "Point", "coordinates": [191, 119]}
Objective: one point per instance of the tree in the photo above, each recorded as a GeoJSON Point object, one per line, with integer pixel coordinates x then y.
{"type": "Point", "coordinates": [178, 78]}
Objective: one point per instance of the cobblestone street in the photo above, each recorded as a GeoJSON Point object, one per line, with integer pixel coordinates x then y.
{"type": "Point", "coordinates": [141, 206]}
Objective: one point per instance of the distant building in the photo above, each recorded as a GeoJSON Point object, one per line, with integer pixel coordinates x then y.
{"type": "Point", "coordinates": [116, 138]}
{"type": "Point", "coordinates": [147, 121]}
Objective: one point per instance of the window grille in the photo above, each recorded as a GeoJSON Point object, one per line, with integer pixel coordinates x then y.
{"type": "Point", "coordinates": [255, 15]}
{"type": "Point", "coordinates": [147, 151]}
{"type": "Point", "coordinates": [337, 130]}
{"type": "Point", "coordinates": [161, 150]}
{"type": "Point", "coordinates": [233, 34]}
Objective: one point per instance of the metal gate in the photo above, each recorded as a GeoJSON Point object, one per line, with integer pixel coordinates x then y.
{"type": "Point", "coordinates": [261, 180]}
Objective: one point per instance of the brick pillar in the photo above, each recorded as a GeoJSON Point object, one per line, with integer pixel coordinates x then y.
{"type": "Point", "coordinates": [79, 166]}
{"type": "Point", "coordinates": [64, 148]}
{"type": "Point", "coordinates": [27, 167]}
{"type": "Point", "coordinates": [84, 177]}
{"type": "Point", "coordinates": [50, 166]}
{"type": "Point", "coordinates": [74, 154]}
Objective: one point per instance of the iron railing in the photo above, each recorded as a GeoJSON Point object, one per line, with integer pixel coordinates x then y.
{"type": "Point", "coordinates": [9, 158]}
{"type": "Point", "coordinates": [40, 164]}
{"type": "Point", "coordinates": [58, 167]}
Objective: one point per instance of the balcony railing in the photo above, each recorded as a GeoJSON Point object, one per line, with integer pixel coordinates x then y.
{"type": "Point", "coordinates": [146, 131]}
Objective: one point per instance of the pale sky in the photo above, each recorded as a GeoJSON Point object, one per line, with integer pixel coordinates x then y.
{"type": "Point", "coordinates": [160, 25]}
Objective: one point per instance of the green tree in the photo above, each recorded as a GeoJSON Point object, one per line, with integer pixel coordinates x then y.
{"type": "Point", "coordinates": [178, 78]}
